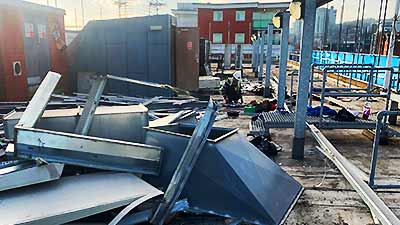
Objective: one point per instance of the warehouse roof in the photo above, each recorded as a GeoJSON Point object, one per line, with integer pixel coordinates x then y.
{"type": "Point", "coordinates": [31, 6]}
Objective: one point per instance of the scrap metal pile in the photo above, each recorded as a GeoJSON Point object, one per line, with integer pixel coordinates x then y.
{"type": "Point", "coordinates": [63, 165]}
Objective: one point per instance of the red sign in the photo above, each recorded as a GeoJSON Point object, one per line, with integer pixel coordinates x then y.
{"type": "Point", "coordinates": [189, 45]}
{"type": "Point", "coordinates": [29, 30]}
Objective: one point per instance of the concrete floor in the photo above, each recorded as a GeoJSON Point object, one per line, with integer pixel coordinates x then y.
{"type": "Point", "coordinates": [328, 198]}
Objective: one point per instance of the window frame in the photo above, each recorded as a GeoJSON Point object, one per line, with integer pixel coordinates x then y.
{"type": "Point", "coordinates": [244, 38]}
{"type": "Point", "coordinates": [222, 38]}
{"type": "Point", "coordinates": [244, 16]}
{"type": "Point", "coordinates": [214, 15]}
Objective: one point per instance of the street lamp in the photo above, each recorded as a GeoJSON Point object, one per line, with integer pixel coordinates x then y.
{"type": "Point", "coordinates": [296, 10]}
{"type": "Point", "coordinates": [277, 19]}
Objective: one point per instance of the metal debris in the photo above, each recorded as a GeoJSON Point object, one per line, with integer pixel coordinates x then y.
{"type": "Point", "coordinates": [371, 199]}
{"type": "Point", "coordinates": [186, 164]}
{"type": "Point", "coordinates": [72, 198]}
{"type": "Point", "coordinates": [220, 183]}
{"type": "Point", "coordinates": [210, 175]}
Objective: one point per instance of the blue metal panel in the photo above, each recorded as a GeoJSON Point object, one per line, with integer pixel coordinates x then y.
{"type": "Point", "coordinates": [138, 48]}
{"type": "Point", "coordinates": [37, 50]}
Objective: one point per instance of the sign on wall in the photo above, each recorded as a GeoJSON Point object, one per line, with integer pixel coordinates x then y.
{"type": "Point", "coordinates": [29, 30]}
{"type": "Point", "coordinates": [42, 31]}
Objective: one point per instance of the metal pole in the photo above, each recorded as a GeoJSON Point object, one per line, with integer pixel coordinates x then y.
{"type": "Point", "coordinates": [227, 57]}
{"type": "Point", "coordinates": [304, 78]}
{"type": "Point", "coordinates": [83, 14]}
{"type": "Point", "coordinates": [257, 52]}
{"type": "Point", "coordinates": [261, 63]}
{"type": "Point", "coordinates": [283, 60]}
{"type": "Point", "coordinates": [253, 54]}
{"type": "Point", "coordinates": [375, 147]}
{"type": "Point", "coordinates": [268, 62]}
{"type": "Point", "coordinates": [391, 44]}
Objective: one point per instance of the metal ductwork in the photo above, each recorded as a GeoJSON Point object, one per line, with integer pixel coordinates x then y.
{"type": "Point", "coordinates": [231, 178]}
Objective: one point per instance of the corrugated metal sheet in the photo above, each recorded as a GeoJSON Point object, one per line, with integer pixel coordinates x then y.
{"type": "Point", "coordinates": [140, 48]}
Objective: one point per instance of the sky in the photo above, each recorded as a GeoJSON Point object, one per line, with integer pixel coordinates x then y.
{"type": "Point", "coordinates": [105, 9]}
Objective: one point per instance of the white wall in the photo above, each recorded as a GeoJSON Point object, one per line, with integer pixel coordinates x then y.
{"type": "Point", "coordinates": [247, 49]}
{"type": "Point", "coordinates": [186, 20]}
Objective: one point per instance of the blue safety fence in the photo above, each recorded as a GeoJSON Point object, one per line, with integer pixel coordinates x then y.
{"type": "Point", "coordinates": [329, 57]}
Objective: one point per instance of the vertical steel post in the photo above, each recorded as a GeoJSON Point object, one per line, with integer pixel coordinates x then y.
{"type": "Point", "coordinates": [323, 89]}
{"type": "Point", "coordinates": [257, 53]}
{"type": "Point", "coordinates": [310, 7]}
{"type": "Point", "coordinates": [291, 91]}
{"type": "Point", "coordinates": [227, 56]}
{"type": "Point", "coordinates": [375, 147]}
{"type": "Point", "coordinates": [311, 85]}
{"type": "Point", "coordinates": [391, 45]}
{"type": "Point", "coordinates": [253, 54]}
{"type": "Point", "coordinates": [268, 62]}
{"type": "Point", "coordinates": [261, 56]}
{"type": "Point", "coordinates": [283, 59]}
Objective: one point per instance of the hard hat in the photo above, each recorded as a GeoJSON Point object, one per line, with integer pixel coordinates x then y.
{"type": "Point", "coordinates": [237, 75]}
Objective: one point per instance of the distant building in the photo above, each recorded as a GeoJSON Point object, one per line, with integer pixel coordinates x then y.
{"type": "Point", "coordinates": [235, 23]}
{"type": "Point", "coordinates": [230, 23]}
{"type": "Point", "coordinates": [186, 15]}
{"type": "Point", "coordinates": [325, 26]}
{"type": "Point", "coordinates": [295, 33]}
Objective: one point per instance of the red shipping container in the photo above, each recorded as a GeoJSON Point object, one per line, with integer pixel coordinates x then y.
{"type": "Point", "coordinates": [15, 29]}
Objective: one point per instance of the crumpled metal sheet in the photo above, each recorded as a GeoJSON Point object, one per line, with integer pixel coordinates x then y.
{"type": "Point", "coordinates": [72, 198]}
{"type": "Point", "coordinates": [27, 173]}
{"type": "Point", "coordinates": [232, 178]}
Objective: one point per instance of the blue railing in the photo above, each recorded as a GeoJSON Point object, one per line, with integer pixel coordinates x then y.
{"type": "Point", "coordinates": [330, 57]}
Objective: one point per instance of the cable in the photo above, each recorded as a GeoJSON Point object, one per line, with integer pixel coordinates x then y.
{"type": "Point", "coordinates": [361, 28]}
{"type": "Point", "coordinates": [381, 42]}
{"type": "Point", "coordinates": [340, 30]}
{"type": "Point", "coordinates": [356, 36]}
{"type": "Point", "coordinates": [378, 31]}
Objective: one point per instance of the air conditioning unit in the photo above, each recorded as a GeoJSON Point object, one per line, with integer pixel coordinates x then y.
{"type": "Point", "coordinates": [17, 68]}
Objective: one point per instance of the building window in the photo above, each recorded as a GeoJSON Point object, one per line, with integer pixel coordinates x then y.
{"type": "Point", "coordinates": [240, 15]}
{"type": "Point", "coordinates": [218, 16]}
{"type": "Point", "coordinates": [217, 38]}
{"type": "Point", "coordinates": [239, 38]}
{"type": "Point", "coordinates": [262, 19]}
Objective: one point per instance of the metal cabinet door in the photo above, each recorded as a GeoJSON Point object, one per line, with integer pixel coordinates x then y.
{"type": "Point", "coordinates": [36, 45]}
{"type": "Point", "coordinates": [187, 58]}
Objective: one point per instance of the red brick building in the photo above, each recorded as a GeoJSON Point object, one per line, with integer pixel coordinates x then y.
{"type": "Point", "coordinates": [235, 23]}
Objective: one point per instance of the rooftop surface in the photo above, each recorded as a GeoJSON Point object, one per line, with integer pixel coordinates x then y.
{"type": "Point", "coordinates": [328, 197]}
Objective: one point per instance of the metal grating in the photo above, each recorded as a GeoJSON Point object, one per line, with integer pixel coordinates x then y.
{"type": "Point", "coordinates": [286, 120]}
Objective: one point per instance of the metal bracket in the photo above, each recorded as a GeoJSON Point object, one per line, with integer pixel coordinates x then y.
{"type": "Point", "coordinates": [90, 107]}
